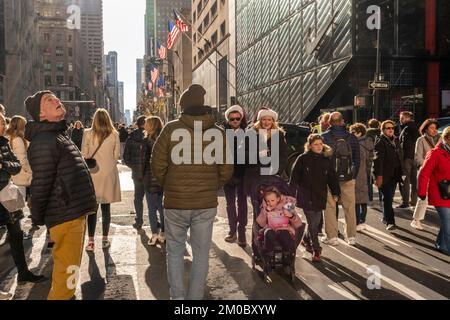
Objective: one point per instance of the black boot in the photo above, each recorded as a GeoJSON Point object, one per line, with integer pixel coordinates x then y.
{"type": "Point", "coordinates": [28, 276]}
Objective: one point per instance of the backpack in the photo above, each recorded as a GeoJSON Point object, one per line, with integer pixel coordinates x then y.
{"type": "Point", "coordinates": [343, 160]}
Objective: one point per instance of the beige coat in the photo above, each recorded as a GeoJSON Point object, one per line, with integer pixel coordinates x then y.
{"type": "Point", "coordinates": [23, 179]}
{"type": "Point", "coordinates": [106, 180]}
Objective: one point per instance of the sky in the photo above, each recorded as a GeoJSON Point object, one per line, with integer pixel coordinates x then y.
{"type": "Point", "coordinates": [123, 31]}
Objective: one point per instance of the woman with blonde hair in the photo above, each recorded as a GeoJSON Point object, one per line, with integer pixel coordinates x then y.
{"type": "Point", "coordinates": [266, 122]}
{"type": "Point", "coordinates": [153, 191]}
{"type": "Point", "coordinates": [19, 145]}
{"type": "Point", "coordinates": [102, 143]}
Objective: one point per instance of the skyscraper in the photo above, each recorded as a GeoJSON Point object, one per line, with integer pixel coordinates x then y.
{"type": "Point", "coordinates": [2, 48]}
{"type": "Point", "coordinates": [121, 97]}
{"type": "Point", "coordinates": [164, 13]}
{"type": "Point", "coordinates": [150, 28]}
{"type": "Point", "coordinates": [92, 30]}
{"type": "Point", "coordinates": [140, 78]}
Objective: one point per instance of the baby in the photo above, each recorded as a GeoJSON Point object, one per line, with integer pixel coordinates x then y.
{"type": "Point", "coordinates": [278, 220]}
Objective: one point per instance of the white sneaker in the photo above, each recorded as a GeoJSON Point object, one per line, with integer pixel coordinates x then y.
{"type": "Point", "coordinates": [331, 242]}
{"type": "Point", "coordinates": [161, 237]}
{"type": "Point", "coordinates": [5, 296]}
{"type": "Point", "coordinates": [416, 225]}
{"type": "Point", "coordinates": [351, 241]}
{"type": "Point", "coordinates": [153, 241]}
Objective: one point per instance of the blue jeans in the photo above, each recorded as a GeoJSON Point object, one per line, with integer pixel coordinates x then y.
{"type": "Point", "coordinates": [178, 222]}
{"type": "Point", "coordinates": [139, 193]}
{"type": "Point", "coordinates": [155, 204]}
{"type": "Point", "coordinates": [443, 239]}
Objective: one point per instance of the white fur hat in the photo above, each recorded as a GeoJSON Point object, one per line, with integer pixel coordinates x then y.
{"type": "Point", "coordinates": [268, 113]}
{"type": "Point", "coordinates": [233, 109]}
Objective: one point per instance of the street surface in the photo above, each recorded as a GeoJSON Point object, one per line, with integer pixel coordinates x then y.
{"type": "Point", "coordinates": [408, 265]}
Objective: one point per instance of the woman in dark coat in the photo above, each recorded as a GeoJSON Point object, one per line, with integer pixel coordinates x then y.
{"type": "Point", "coordinates": [153, 191]}
{"type": "Point", "coordinates": [77, 134]}
{"type": "Point", "coordinates": [266, 121]}
{"type": "Point", "coordinates": [312, 175]}
{"type": "Point", "coordinates": [9, 165]}
{"type": "Point", "coordinates": [388, 170]}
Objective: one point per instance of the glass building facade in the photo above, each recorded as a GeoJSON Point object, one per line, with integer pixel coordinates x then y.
{"type": "Point", "coordinates": [303, 56]}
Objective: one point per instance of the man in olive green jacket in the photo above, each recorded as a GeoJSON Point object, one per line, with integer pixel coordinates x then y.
{"type": "Point", "coordinates": [190, 189]}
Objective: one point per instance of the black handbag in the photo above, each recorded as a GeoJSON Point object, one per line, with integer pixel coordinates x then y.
{"type": "Point", "coordinates": [444, 189]}
{"type": "Point", "coordinates": [91, 162]}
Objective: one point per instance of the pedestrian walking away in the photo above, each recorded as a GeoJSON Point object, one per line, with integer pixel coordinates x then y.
{"type": "Point", "coordinates": [346, 157]}
{"type": "Point", "coordinates": [101, 143]}
{"type": "Point", "coordinates": [190, 196]}
{"type": "Point", "coordinates": [77, 134]}
{"type": "Point", "coordinates": [62, 189]}
{"type": "Point", "coordinates": [408, 138]}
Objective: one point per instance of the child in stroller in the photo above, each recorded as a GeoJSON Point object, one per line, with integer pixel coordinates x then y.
{"type": "Point", "coordinates": [277, 231]}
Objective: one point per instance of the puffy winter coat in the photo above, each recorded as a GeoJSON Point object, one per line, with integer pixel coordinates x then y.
{"type": "Point", "coordinates": [19, 148]}
{"type": "Point", "coordinates": [312, 175]}
{"type": "Point", "coordinates": [134, 153]}
{"type": "Point", "coordinates": [9, 166]}
{"type": "Point", "coordinates": [435, 169]}
{"type": "Point", "coordinates": [188, 186]}
{"type": "Point", "coordinates": [62, 188]}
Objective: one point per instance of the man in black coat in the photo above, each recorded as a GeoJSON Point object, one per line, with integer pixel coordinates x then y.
{"type": "Point", "coordinates": [62, 192]}
{"type": "Point", "coordinates": [408, 139]}
{"type": "Point", "coordinates": [133, 157]}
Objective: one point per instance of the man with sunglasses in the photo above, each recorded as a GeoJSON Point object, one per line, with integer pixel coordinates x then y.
{"type": "Point", "coordinates": [234, 190]}
{"type": "Point", "coordinates": [388, 169]}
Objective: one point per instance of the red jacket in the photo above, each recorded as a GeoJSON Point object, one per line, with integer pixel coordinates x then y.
{"type": "Point", "coordinates": [436, 168]}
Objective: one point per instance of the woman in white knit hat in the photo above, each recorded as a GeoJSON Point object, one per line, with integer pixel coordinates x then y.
{"type": "Point", "coordinates": [266, 122]}
{"type": "Point", "coordinates": [234, 190]}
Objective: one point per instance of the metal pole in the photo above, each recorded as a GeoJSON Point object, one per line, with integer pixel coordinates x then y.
{"type": "Point", "coordinates": [377, 78]}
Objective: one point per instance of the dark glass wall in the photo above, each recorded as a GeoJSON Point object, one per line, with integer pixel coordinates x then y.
{"type": "Point", "coordinates": [2, 47]}
{"type": "Point", "coordinates": [443, 28]}
{"type": "Point", "coordinates": [289, 52]}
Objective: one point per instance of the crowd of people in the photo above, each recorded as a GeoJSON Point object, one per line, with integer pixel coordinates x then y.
{"type": "Point", "coordinates": [67, 174]}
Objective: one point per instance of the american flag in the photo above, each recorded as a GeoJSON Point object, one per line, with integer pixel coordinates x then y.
{"type": "Point", "coordinates": [174, 32]}
{"type": "Point", "coordinates": [154, 74]}
{"type": "Point", "coordinates": [161, 86]}
{"type": "Point", "coordinates": [180, 23]}
{"type": "Point", "coordinates": [162, 51]}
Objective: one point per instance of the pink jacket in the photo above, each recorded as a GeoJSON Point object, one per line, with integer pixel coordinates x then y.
{"type": "Point", "coordinates": [294, 223]}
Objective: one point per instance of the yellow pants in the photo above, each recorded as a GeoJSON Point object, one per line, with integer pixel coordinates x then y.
{"type": "Point", "coordinates": [67, 254]}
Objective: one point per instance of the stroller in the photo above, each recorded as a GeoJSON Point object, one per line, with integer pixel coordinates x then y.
{"type": "Point", "coordinates": [278, 259]}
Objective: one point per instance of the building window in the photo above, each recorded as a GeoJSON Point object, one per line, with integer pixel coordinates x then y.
{"type": "Point", "coordinates": [70, 67]}
{"type": "Point", "coordinates": [59, 37]}
{"type": "Point", "coordinates": [199, 8]}
{"type": "Point", "coordinates": [214, 38]}
{"type": "Point", "coordinates": [60, 79]}
{"type": "Point", "coordinates": [194, 38]}
{"type": "Point", "coordinates": [223, 30]}
{"type": "Point", "coordinates": [195, 60]}
{"type": "Point", "coordinates": [194, 16]}
{"type": "Point", "coordinates": [60, 66]}
{"type": "Point", "coordinates": [47, 66]}
{"type": "Point", "coordinates": [69, 38]}
{"type": "Point", "coordinates": [214, 10]}
{"type": "Point", "coordinates": [70, 52]}
{"type": "Point", "coordinates": [59, 51]}
{"type": "Point", "coordinates": [200, 29]}
{"type": "Point", "coordinates": [46, 36]}
{"type": "Point", "coordinates": [48, 80]}
{"type": "Point", "coordinates": [71, 80]}
{"type": "Point", "coordinates": [206, 21]}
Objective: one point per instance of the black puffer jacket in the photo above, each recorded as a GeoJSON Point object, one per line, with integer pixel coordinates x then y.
{"type": "Point", "coordinates": [10, 167]}
{"type": "Point", "coordinates": [311, 176]}
{"type": "Point", "coordinates": [62, 188]}
{"type": "Point", "coordinates": [134, 153]}
{"type": "Point", "coordinates": [150, 182]}
{"type": "Point", "coordinates": [123, 134]}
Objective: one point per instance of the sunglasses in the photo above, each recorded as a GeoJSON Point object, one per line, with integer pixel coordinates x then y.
{"type": "Point", "coordinates": [235, 119]}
